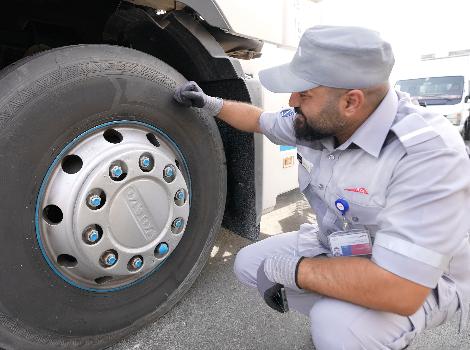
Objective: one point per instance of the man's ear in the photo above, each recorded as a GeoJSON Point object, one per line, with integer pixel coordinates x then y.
{"type": "Point", "coordinates": [352, 102]}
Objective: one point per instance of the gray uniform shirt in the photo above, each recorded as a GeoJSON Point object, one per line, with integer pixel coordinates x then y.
{"type": "Point", "coordinates": [406, 176]}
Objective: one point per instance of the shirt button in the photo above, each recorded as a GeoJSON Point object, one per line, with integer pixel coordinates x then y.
{"type": "Point", "coordinates": [355, 219]}
{"type": "Point", "coordinates": [320, 187]}
{"type": "Point", "coordinates": [331, 157]}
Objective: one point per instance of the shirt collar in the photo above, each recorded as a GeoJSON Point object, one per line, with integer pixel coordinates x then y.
{"type": "Point", "coordinates": [371, 135]}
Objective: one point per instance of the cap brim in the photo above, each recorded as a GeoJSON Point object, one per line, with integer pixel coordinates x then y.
{"type": "Point", "coordinates": [281, 79]}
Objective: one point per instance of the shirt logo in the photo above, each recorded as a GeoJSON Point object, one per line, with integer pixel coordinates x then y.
{"type": "Point", "coordinates": [357, 190]}
{"type": "Point", "coordinates": [287, 113]}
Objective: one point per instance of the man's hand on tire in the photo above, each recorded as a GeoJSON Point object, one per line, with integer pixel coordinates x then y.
{"type": "Point", "coordinates": [191, 95]}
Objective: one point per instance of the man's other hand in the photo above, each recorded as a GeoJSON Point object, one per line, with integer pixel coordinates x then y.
{"type": "Point", "coordinates": [283, 269]}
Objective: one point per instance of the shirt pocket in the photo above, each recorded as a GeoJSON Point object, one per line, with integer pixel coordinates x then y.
{"type": "Point", "coordinates": [364, 215]}
{"type": "Point", "coordinates": [365, 188]}
{"type": "Point", "coordinates": [360, 213]}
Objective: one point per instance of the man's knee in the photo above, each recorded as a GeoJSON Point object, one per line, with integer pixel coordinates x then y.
{"type": "Point", "coordinates": [244, 265]}
{"type": "Point", "coordinates": [250, 258]}
{"type": "Point", "coordinates": [329, 322]}
{"type": "Point", "coordinates": [338, 325]}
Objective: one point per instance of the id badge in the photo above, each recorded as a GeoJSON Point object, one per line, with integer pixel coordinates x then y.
{"type": "Point", "coordinates": [350, 243]}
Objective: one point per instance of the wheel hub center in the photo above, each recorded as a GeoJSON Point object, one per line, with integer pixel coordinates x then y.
{"type": "Point", "coordinates": [139, 213]}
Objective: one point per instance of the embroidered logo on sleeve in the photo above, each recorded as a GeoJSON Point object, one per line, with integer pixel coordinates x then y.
{"type": "Point", "coordinates": [287, 113]}
{"type": "Point", "coordinates": [357, 190]}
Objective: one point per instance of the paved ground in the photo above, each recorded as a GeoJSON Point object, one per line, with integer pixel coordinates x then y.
{"type": "Point", "coordinates": [219, 312]}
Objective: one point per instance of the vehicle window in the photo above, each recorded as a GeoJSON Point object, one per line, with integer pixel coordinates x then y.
{"type": "Point", "coordinates": [434, 90]}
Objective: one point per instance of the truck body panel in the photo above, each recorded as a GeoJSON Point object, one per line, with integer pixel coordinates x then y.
{"type": "Point", "coordinates": [286, 21]}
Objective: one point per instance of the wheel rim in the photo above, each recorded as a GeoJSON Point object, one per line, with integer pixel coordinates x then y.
{"type": "Point", "coordinates": [113, 206]}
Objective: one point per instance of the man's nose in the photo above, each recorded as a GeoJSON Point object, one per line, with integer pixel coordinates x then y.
{"type": "Point", "coordinates": [294, 99]}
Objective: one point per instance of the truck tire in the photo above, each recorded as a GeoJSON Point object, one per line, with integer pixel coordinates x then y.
{"type": "Point", "coordinates": [90, 134]}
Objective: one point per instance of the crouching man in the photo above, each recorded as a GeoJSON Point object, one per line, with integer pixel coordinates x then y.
{"type": "Point", "coordinates": [389, 183]}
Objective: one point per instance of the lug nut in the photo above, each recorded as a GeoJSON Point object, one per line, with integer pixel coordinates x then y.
{"type": "Point", "coordinates": [136, 263]}
{"type": "Point", "coordinates": [146, 163]}
{"type": "Point", "coordinates": [178, 223]}
{"type": "Point", "coordinates": [92, 236]}
{"type": "Point", "coordinates": [116, 171]}
{"type": "Point", "coordinates": [180, 195]}
{"type": "Point", "coordinates": [96, 198]}
{"type": "Point", "coordinates": [162, 249]}
{"type": "Point", "coordinates": [94, 201]}
{"type": "Point", "coordinates": [169, 173]}
{"type": "Point", "coordinates": [109, 258]}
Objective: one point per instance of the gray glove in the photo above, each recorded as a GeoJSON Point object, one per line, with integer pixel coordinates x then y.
{"type": "Point", "coordinates": [274, 294]}
{"type": "Point", "coordinates": [191, 95]}
{"type": "Point", "coordinates": [283, 270]}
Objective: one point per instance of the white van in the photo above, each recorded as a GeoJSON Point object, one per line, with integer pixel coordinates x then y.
{"type": "Point", "coordinates": [442, 84]}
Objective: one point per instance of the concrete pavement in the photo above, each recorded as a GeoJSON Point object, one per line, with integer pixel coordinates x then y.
{"type": "Point", "coordinates": [221, 313]}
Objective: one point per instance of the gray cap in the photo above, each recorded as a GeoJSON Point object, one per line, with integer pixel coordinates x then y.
{"type": "Point", "coordinates": [338, 57]}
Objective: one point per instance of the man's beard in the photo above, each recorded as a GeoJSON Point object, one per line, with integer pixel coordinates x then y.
{"type": "Point", "coordinates": [329, 124]}
{"type": "Point", "coordinates": [303, 131]}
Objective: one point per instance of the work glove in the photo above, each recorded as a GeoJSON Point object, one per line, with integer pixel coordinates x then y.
{"type": "Point", "coordinates": [274, 294]}
{"type": "Point", "coordinates": [274, 274]}
{"type": "Point", "coordinates": [191, 95]}
{"type": "Point", "coordinates": [283, 269]}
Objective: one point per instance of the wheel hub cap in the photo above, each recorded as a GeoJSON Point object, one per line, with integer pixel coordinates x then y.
{"type": "Point", "coordinates": [130, 212]}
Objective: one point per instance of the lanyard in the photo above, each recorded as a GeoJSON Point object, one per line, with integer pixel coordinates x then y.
{"type": "Point", "coordinates": [343, 206]}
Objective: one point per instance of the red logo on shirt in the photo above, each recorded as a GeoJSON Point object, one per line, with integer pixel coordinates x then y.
{"type": "Point", "coordinates": [357, 190]}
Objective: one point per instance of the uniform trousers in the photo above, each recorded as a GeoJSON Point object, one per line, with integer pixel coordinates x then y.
{"type": "Point", "coordinates": [335, 324]}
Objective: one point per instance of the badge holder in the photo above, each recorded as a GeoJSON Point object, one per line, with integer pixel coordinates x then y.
{"type": "Point", "coordinates": [349, 242]}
